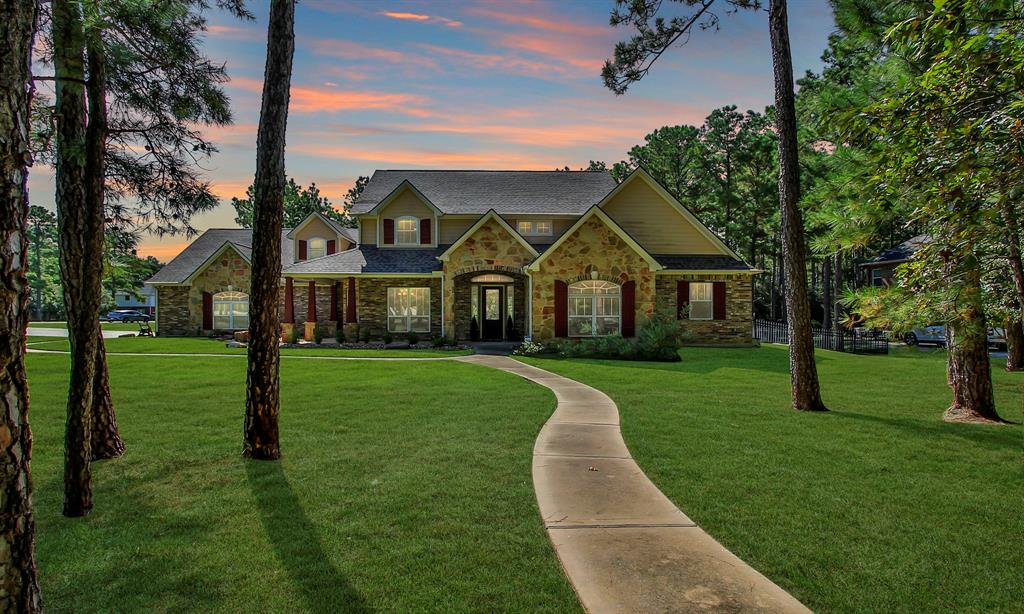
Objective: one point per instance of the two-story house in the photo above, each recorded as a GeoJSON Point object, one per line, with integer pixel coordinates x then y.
{"type": "Point", "coordinates": [495, 255]}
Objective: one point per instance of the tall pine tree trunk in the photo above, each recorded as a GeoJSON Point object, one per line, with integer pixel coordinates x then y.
{"type": "Point", "coordinates": [105, 439]}
{"type": "Point", "coordinates": [1015, 351]}
{"type": "Point", "coordinates": [1014, 345]}
{"type": "Point", "coordinates": [19, 581]}
{"type": "Point", "coordinates": [263, 386]}
{"type": "Point", "coordinates": [80, 270]}
{"type": "Point", "coordinates": [803, 371]}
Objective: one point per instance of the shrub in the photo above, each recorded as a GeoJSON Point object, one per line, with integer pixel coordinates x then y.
{"type": "Point", "coordinates": [339, 333]}
{"type": "Point", "coordinates": [364, 335]}
{"type": "Point", "coordinates": [387, 337]}
{"type": "Point", "coordinates": [292, 336]}
{"type": "Point", "coordinates": [531, 348]}
{"type": "Point", "coordinates": [661, 337]}
{"type": "Point", "coordinates": [439, 341]}
{"type": "Point", "coordinates": [413, 338]}
{"type": "Point", "coordinates": [318, 334]}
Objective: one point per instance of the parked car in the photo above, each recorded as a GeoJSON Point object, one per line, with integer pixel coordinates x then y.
{"type": "Point", "coordinates": [127, 315]}
{"type": "Point", "coordinates": [937, 335]}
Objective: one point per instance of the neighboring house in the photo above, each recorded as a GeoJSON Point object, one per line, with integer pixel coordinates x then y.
{"type": "Point", "coordinates": [881, 270]}
{"type": "Point", "coordinates": [503, 254]}
{"type": "Point", "coordinates": [140, 299]}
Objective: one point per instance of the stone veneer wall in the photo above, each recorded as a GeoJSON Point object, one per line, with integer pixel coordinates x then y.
{"type": "Point", "coordinates": [172, 315]}
{"type": "Point", "coordinates": [592, 247]}
{"type": "Point", "coordinates": [372, 302]}
{"type": "Point", "coordinates": [181, 307]}
{"type": "Point", "coordinates": [463, 311]}
{"type": "Point", "coordinates": [491, 249]}
{"type": "Point", "coordinates": [737, 325]}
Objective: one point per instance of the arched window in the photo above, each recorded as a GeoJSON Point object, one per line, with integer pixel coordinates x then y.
{"type": "Point", "coordinates": [594, 308]}
{"type": "Point", "coordinates": [316, 248]}
{"type": "Point", "coordinates": [230, 310]}
{"type": "Point", "coordinates": [492, 278]}
{"type": "Point", "coordinates": [407, 231]}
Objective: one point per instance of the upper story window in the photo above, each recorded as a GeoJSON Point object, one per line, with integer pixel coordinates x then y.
{"type": "Point", "coordinates": [316, 248]}
{"type": "Point", "coordinates": [701, 301]}
{"type": "Point", "coordinates": [407, 231]}
{"type": "Point", "coordinates": [540, 228]}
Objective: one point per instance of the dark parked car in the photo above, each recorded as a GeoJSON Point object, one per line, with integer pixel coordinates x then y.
{"type": "Point", "coordinates": [127, 315]}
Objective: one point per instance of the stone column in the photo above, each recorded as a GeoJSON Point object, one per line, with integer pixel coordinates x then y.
{"type": "Point", "coordinates": [311, 311]}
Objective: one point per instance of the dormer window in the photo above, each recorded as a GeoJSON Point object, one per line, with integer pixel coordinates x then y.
{"type": "Point", "coordinates": [316, 248]}
{"type": "Point", "coordinates": [539, 228]}
{"type": "Point", "coordinates": [407, 231]}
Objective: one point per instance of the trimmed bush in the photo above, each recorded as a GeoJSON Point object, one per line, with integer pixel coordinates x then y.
{"type": "Point", "coordinates": [413, 338]}
{"type": "Point", "coordinates": [318, 334]}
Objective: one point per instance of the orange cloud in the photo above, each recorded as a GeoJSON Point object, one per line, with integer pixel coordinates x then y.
{"type": "Point", "coordinates": [562, 25]}
{"type": "Point", "coordinates": [312, 100]}
{"type": "Point", "coordinates": [419, 17]}
{"type": "Point", "coordinates": [559, 48]}
{"type": "Point", "coordinates": [355, 51]}
{"type": "Point", "coordinates": [233, 32]}
{"type": "Point", "coordinates": [494, 61]}
{"type": "Point", "coordinates": [162, 251]}
{"type": "Point", "coordinates": [226, 190]}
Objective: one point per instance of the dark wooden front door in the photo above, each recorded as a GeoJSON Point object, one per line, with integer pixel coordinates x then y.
{"type": "Point", "coordinates": [492, 311]}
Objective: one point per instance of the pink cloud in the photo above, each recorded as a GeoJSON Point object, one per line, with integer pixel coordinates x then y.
{"type": "Point", "coordinates": [313, 100]}
{"type": "Point", "coordinates": [356, 51]}
{"type": "Point", "coordinates": [494, 61]}
{"type": "Point", "coordinates": [432, 158]}
{"type": "Point", "coordinates": [422, 18]}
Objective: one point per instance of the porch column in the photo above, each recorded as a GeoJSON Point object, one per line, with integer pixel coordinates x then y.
{"type": "Point", "coordinates": [334, 302]}
{"type": "Point", "coordinates": [289, 303]}
{"type": "Point", "coordinates": [350, 306]}
{"type": "Point", "coordinates": [311, 306]}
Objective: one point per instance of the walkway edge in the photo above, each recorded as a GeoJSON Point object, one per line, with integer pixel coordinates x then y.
{"type": "Point", "coordinates": [624, 546]}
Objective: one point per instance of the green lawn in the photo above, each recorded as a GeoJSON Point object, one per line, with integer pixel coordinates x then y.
{"type": "Point", "coordinates": [876, 506]}
{"type": "Point", "coordinates": [126, 326]}
{"type": "Point", "coordinates": [204, 345]}
{"type": "Point", "coordinates": [402, 488]}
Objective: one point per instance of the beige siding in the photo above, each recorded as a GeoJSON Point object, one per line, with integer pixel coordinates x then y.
{"type": "Point", "coordinates": [654, 223]}
{"type": "Point", "coordinates": [452, 229]}
{"type": "Point", "coordinates": [406, 203]}
{"type": "Point", "coordinates": [368, 231]}
{"type": "Point", "coordinates": [315, 228]}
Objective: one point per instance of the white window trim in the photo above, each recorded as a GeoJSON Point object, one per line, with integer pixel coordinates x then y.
{"type": "Point", "coordinates": [407, 318]}
{"type": "Point", "coordinates": [235, 298]}
{"type": "Point", "coordinates": [593, 297]}
{"type": "Point", "coordinates": [710, 301]}
{"type": "Point", "coordinates": [532, 230]}
{"type": "Point", "coordinates": [877, 278]}
{"type": "Point", "coordinates": [416, 224]}
{"type": "Point", "coordinates": [309, 247]}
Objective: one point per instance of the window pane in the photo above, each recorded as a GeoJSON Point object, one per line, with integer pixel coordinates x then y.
{"type": "Point", "coordinates": [408, 230]}
{"type": "Point", "coordinates": [241, 321]}
{"type": "Point", "coordinates": [492, 308]}
{"type": "Point", "coordinates": [397, 325]}
{"type": "Point", "coordinates": [420, 324]}
{"type": "Point", "coordinates": [700, 310]}
{"type": "Point", "coordinates": [543, 228]}
{"type": "Point", "coordinates": [700, 292]}
{"type": "Point", "coordinates": [580, 327]}
{"type": "Point", "coordinates": [580, 306]}
{"type": "Point", "coordinates": [316, 248]}
{"type": "Point", "coordinates": [221, 321]}
{"type": "Point", "coordinates": [607, 305]}
{"type": "Point", "coordinates": [607, 326]}
{"type": "Point", "coordinates": [525, 228]}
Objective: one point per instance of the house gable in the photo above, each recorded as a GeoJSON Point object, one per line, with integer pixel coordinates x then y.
{"type": "Point", "coordinates": [228, 257]}
{"type": "Point", "coordinates": [592, 219]}
{"type": "Point", "coordinates": [490, 244]}
{"type": "Point", "coordinates": [404, 201]}
{"type": "Point", "coordinates": [657, 220]}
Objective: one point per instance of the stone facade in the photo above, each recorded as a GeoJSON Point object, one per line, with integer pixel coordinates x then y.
{"type": "Point", "coordinates": [372, 302]}
{"type": "Point", "coordinates": [173, 312]}
{"type": "Point", "coordinates": [490, 249]}
{"type": "Point", "coordinates": [229, 271]}
{"type": "Point", "coordinates": [593, 247]}
{"type": "Point", "coordinates": [323, 304]}
{"type": "Point", "coordinates": [735, 329]}
{"type": "Point", "coordinates": [459, 325]}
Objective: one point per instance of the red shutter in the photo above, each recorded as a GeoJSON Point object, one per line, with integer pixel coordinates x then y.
{"type": "Point", "coordinates": [332, 246]}
{"type": "Point", "coordinates": [718, 294]}
{"type": "Point", "coordinates": [425, 238]}
{"type": "Point", "coordinates": [682, 298]}
{"type": "Point", "coordinates": [302, 250]}
{"type": "Point", "coordinates": [350, 305]}
{"type": "Point", "coordinates": [629, 309]}
{"type": "Point", "coordinates": [561, 309]}
{"type": "Point", "coordinates": [289, 301]}
{"type": "Point", "coordinates": [207, 311]}
{"type": "Point", "coordinates": [389, 232]}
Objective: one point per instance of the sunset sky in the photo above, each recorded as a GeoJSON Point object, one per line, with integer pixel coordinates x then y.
{"type": "Point", "coordinates": [489, 85]}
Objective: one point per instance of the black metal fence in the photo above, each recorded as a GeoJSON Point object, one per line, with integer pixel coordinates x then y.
{"type": "Point", "coordinates": [854, 341]}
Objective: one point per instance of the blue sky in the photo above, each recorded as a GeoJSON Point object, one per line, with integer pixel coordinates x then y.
{"type": "Point", "coordinates": [510, 85]}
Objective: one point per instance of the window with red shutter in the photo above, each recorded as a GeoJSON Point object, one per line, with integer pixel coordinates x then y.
{"type": "Point", "coordinates": [332, 246]}
{"type": "Point", "coordinates": [719, 300]}
{"type": "Point", "coordinates": [629, 309]}
{"type": "Point", "coordinates": [682, 298]}
{"type": "Point", "coordinates": [302, 250]}
{"type": "Point", "coordinates": [561, 309]}
{"type": "Point", "coordinates": [389, 232]}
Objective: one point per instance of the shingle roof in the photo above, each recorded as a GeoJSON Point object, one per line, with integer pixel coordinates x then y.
{"type": "Point", "coordinates": [199, 251]}
{"type": "Point", "coordinates": [901, 252]}
{"type": "Point", "coordinates": [371, 259]}
{"type": "Point", "coordinates": [701, 263]}
{"type": "Point", "coordinates": [556, 192]}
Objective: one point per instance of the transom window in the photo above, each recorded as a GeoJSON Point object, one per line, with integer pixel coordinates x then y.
{"type": "Point", "coordinates": [594, 308]}
{"type": "Point", "coordinates": [701, 301]}
{"type": "Point", "coordinates": [230, 310]}
{"type": "Point", "coordinates": [316, 248]}
{"type": "Point", "coordinates": [407, 231]}
{"type": "Point", "coordinates": [492, 278]}
{"type": "Point", "coordinates": [542, 228]}
{"type": "Point", "coordinates": [409, 310]}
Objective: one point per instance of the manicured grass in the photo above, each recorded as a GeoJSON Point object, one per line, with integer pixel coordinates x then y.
{"type": "Point", "coordinates": [875, 506]}
{"type": "Point", "coordinates": [125, 326]}
{"type": "Point", "coordinates": [203, 345]}
{"type": "Point", "coordinates": [403, 487]}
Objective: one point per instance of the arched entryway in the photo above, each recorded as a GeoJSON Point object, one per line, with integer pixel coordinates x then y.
{"type": "Point", "coordinates": [490, 305]}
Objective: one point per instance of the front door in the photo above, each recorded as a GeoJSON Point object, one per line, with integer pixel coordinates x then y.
{"type": "Point", "coordinates": [492, 299]}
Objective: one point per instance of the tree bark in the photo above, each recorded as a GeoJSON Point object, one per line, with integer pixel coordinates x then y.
{"type": "Point", "coordinates": [1014, 345]}
{"type": "Point", "coordinates": [19, 581]}
{"type": "Point", "coordinates": [80, 269]}
{"type": "Point", "coordinates": [263, 386]}
{"type": "Point", "coordinates": [105, 438]}
{"type": "Point", "coordinates": [803, 371]}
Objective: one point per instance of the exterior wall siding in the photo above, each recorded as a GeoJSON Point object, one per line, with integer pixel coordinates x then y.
{"type": "Point", "coordinates": [368, 231]}
{"type": "Point", "coordinates": [735, 329]}
{"type": "Point", "coordinates": [173, 316]}
{"type": "Point", "coordinates": [592, 247]}
{"type": "Point", "coordinates": [654, 223]}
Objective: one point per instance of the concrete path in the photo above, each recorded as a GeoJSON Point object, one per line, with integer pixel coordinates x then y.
{"type": "Point", "coordinates": [39, 331]}
{"type": "Point", "coordinates": [624, 546]}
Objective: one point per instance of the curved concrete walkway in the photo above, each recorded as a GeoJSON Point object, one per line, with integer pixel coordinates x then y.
{"type": "Point", "coordinates": [624, 546]}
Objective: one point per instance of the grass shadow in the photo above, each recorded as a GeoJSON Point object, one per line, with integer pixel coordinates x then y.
{"type": "Point", "coordinates": [995, 437]}
{"type": "Point", "coordinates": [298, 544]}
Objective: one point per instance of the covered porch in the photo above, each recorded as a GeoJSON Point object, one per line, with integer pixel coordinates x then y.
{"type": "Point", "coordinates": [489, 304]}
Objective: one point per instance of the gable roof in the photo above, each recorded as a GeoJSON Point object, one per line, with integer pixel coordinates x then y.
{"type": "Point", "coordinates": [596, 211]}
{"type": "Point", "coordinates": [476, 192]}
{"type": "Point", "coordinates": [899, 253]}
{"type": "Point", "coordinates": [641, 174]}
{"type": "Point", "coordinates": [492, 214]}
{"type": "Point", "coordinates": [404, 186]}
{"type": "Point", "coordinates": [199, 252]}
{"type": "Point", "coordinates": [367, 259]}
{"type": "Point", "coordinates": [349, 233]}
